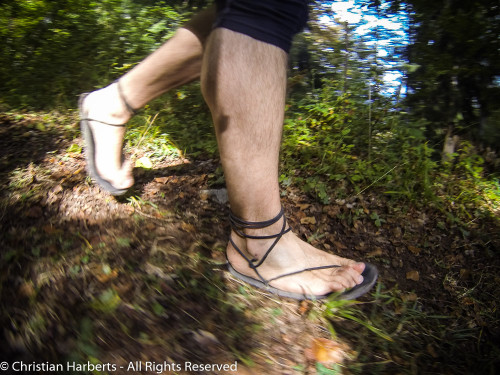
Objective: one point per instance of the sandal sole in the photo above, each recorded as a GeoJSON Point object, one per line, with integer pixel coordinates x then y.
{"type": "Point", "coordinates": [88, 137]}
{"type": "Point", "coordinates": [370, 275]}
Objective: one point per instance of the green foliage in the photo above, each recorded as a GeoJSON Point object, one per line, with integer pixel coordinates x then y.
{"type": "Point", "coordinates": [342, 309]}
{"type": "Point", "coordinates": [52, 50]}
{"type": "Point", "coordinates": [466, 191]}
{"type": "Point", "coordinates": [336, 141]}
{"type": "Point", "coordinates": [321, 137]}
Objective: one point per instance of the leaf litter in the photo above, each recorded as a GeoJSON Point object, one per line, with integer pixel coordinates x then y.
{"type": "Point", "coordinates": [85, 276]}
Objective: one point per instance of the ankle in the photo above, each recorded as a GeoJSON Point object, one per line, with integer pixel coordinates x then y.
{"type": "Point", "coordinates": [256, 239]}
{"type": "Point", "coordinates": [106, 105]}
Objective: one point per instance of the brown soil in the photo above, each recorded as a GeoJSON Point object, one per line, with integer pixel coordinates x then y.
{"type": "Point", "coordinates": [88, 277]}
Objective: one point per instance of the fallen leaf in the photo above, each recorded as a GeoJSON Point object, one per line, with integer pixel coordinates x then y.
{"type": "Point", "coordinates": [74, 148]}
{"type": "Point", "coordinates": [326, 351]}
{"type": "Point", "coordinates": [465, 274]}
{"type": "Point", "coordinates": [375, 253]}
{"type": "Point", "coordinates": [332, 211]}
{"type": "Point", "coordinates": [190, 228]}
{"type": "Point", "coordinates": [204, 337]}
{"type": "Point", "coordinates": [105, 277]}
{"type": "Point", "coordinates": [413, 275]}
{"type": "Point", "coordinates": [56, 189]}
{"type": "Point", "coordinates": [161, 180]}
{"type": "Point", "coordinates": [144, 162]}
{"type": "Point", "coordinates": [27, 290]}
{"type": "Point", "coordinates": [399, 309]}
{"type": "Point", "coordinates": [414, 250]}
{"type": "Point", "coordinates": [304, 307]}
{"type": "Point", "coordinates": [396, 232]}
{"type": "Point", "coordinates": [399, 360]}
{"type": "Point", "coordinates": [300, 214]}
{"type": "Point", "coordinates": [158, 272]}
{"type": "Point", "coordinates": [123, 288]}
{"type": "Point", "coordinates": [206, 340]}
{"type": "Point", "coordinates": [431, 351]}
{"type": "Point", "coordinates": [308, 220]}
{"type": "Point", "coordinates": [302, 206]}
{"type": "Point", "coordinates": [339, 245]}
{"type": "Point", "coordinates": [467, 301]}
{"type": "Point", "coordinates": [410, 297]}
{"type": "Point", "coordinates": [49, 229]}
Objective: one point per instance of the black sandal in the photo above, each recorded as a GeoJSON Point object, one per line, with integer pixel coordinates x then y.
{"type": "Point", "coordinates": [238, 225]}
{"type": "Point", "coordinates": [88, 136]}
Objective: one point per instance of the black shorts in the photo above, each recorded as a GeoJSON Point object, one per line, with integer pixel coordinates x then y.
{"type": "Point", "coordinates": [270, 21]}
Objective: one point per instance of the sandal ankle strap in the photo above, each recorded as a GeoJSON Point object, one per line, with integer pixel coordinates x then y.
{"type": "Point", "coordinates": [131, 109]}
{"type": "Point", "coordinates": [239, 225]}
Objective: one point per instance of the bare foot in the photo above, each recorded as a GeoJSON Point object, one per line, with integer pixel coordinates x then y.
{"type": "Point", "coordinates": [292, 254]}
{"type": "Point", "coordinates": [106, 105]}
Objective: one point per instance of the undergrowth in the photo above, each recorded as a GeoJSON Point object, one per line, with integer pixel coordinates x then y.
{"type": "Point", "coordinates": [321, 155]}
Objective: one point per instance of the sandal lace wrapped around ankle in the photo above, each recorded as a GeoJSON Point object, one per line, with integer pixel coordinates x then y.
{"type": "Point", "coordinates": [239, 226]}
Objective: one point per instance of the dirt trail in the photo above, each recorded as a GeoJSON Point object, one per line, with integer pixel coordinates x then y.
{"type": "Point", "coordinates": [87, 277]}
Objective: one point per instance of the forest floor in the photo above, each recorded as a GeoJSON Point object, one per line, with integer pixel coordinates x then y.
{"type": "Point", "coordinates": [140, 280]}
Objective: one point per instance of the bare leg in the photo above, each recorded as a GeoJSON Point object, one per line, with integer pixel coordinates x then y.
{"type": "Point", "coordinates": [243, 81]}
{"type": "Point", "coordinates": [175, 63]}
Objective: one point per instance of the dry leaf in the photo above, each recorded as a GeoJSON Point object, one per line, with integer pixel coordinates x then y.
{"type": "Point", "coordinates": [396, 232]}
{"type": "Point", "coordinates": [56, 189]}
{"type": "Point", "coordinates": [49, 229]}
{"type": "Point", "coordinates": [339, 245]}
{"type": "Point", "coordinates": [206, 340]}
{"type": "Point", "coordinates": [302, 206]}
{"type": "Point", "coordinates": [304, 307]}
{"type": "Point", "coordinates": [104, 278]}
{"type": "Point", "coordinates": [123, 288]}
{"type": "Point", "coordinates": [161, 180]}
{"type": "Point", "coordinates": [399, 309]}
{"type": "Point", "coordinates": [326, 351]}
{"type": "Point", "coordinates": [375, 253]}
{"type": "Point", "coordinates": [467, 301]}
{"type": "Point", "coordinates": [300, 214]}
{"type": "Point", "coordinates": [410, 297]}
{"type": "Point", "coordinates": [414, 250]}
{"type": "Point", "coordinates": [413, 275]}
{"type": "Point", "coordinates": [190, 228]}
{"type": "Point", "coordinates": [27, 290]}
{"type": "Point", "coordinates": [431, 351]}
{"type": "Point", "coordinates": [205, 337]}
{"type": "Point", "coordinates": [332, 211]}
{"type": "Point", "coordinates": [308, 220]}
{"type": "Point", "coordinates": [156, 271]}
{"type": "Point", "coordinates": [465, 274]}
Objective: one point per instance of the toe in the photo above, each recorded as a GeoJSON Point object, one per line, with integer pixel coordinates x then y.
{"type": "Point", "coordinates": [348, 277]}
